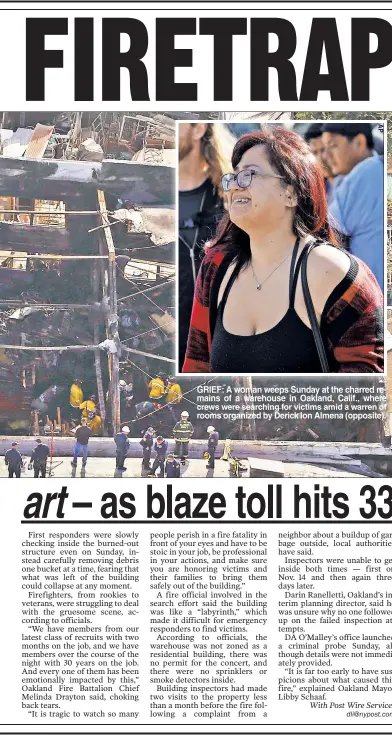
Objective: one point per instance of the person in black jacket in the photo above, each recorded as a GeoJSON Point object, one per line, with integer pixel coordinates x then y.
{"type": "Point", "coordinates": [14, 461]}
{"type": "Point", "coordinates": [39, 458]}
{"type": "Point", "coordinates": [200, 202]}
{"type": "Point", "coordinates": [213, 438]}
{"type": "Point", "coordinates": [122, 447]}
{"type": "Point", "coordinates": [147, 443]}
{"type": "Point", "coordinates": [160, 447]}
{"type": "Point", "coordinates": [172, 467]}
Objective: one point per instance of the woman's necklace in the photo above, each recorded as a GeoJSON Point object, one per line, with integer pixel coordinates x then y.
{"type": "Point", "coordinates": [259, 284]}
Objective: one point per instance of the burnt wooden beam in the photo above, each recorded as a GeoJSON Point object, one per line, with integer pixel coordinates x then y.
{"type": "Point", "coordinates": [58, 180]}
{"type": "Point", "coordinates": [138, 248]}
{"type": "Point", "coordinates": [106, 246]}
{"type": "Point", "coordinates": [132, 351]}
{"type": "Point", "coordinates": [62, 180]}
{"type": "Point", "coordinates": [51, 212]}
{"type": "Point", "coordinates": [97, 353]}
{"type": "Point", "coordinates": [38, 348]}
{"type": "Point", "coordinates": [14, 303]}
{"type": "Point", "coordinates": [141, 183]}
{"type": "Point", "coordinates": [34, 239]}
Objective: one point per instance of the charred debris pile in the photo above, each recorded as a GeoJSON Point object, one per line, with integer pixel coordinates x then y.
{"type": "Point", "coordinates": [86, 257]}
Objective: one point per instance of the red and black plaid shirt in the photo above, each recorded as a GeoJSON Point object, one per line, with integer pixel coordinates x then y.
{"type": "Point", "coordinates": [351, 323]}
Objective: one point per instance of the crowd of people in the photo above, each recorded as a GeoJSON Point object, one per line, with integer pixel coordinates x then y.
{"type": "Point", "coordinates": [152, 419]}
{"type": "Point", "coordinates": [163, 393]}
{"type": "Point", "coordinates": [354, 179]}
{"type": "Point", "coordinates": [164, 464]}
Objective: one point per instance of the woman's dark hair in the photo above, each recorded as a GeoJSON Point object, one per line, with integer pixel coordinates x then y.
{"type": "Point", "coordinates": [290, 157]}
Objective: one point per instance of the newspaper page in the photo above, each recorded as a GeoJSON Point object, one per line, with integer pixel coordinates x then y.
{"type": "Point", "coordinates": [195, 282]}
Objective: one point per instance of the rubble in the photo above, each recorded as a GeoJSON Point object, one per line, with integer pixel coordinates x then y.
{"type": "Point", "coordinates": [58, 200]}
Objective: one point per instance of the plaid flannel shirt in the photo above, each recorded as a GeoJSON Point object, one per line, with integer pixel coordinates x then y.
{"type": "Point", "coordinates": [351, 322]}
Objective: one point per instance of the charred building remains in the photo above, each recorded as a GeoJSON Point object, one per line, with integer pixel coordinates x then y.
{"type": "Point", "coordinates": [86, 257]}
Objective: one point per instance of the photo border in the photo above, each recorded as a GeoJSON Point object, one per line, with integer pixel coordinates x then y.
{"type": "Point", "coordinates": [176, 260]}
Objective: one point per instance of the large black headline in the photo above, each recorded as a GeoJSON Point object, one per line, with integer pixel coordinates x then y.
{"type": "Point", "coordinates": [370, 49]}
{"type": "Point", "coordinates": [321, 503]}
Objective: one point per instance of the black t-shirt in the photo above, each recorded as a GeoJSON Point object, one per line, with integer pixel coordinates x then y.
{"type": "Point", "coordinates": [83, 434]}
{"type": "Point", "coordinates": [200, 210]}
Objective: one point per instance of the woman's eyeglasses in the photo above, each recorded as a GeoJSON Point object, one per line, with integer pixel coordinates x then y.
{"type": "Point", "coordinates": [243, 179]}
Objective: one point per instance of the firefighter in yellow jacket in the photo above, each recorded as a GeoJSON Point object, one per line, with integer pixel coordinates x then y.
{"type": "Point", "coordinates": [89, 407]}
{"type": "Point", "coordinates": [157, 387]}
{"type": "Point", "coordinates": [75, 398]}
{"type": "Point", "coordinates": [173, 391]}
{"type": "Point", "coordinates": [95, 424]}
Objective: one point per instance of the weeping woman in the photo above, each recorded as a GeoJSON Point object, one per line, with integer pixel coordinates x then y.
{"type": "Point", "coordinates": [275, 293]}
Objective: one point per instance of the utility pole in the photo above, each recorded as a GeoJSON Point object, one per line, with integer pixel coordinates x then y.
{"type": "Point", "coordinates": [106, 246]}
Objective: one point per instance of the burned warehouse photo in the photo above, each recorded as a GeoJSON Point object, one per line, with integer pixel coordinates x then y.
{"type": "Point", "coordinates": [93, 313]}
